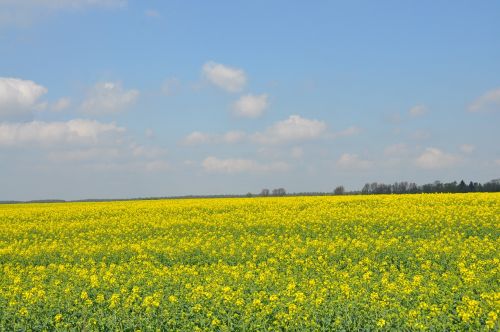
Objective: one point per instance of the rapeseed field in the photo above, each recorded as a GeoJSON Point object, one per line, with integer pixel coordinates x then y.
{"type": "Point", "coordinates": [393, 262]}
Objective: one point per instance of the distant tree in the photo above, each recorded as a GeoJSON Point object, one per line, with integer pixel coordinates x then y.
{"type": "Point", "coordinates": [366, 189]}
{"type": "Point", "coordinates": [462, 187]}
{"type": "Point", "coordinates": [412, 188]}
{"type": "Point", "coordinates": [264, 192]}
{"type": "Point", "coordinates": [340, 190]}
{"type": "Point", "coordinates": [279, 192]}
{"type": "Point", "coordinates": [451, 187]}
{"type": "Point", "coordinates": [249, 194]}
{"type": "Point", "coordinates": [492, 186]}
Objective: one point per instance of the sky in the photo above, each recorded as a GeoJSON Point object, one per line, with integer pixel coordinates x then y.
{"type": "Point", "coordinates": [125, 98]}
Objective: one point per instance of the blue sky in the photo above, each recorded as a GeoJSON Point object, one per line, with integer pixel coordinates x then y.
{"type": "Point", "coordinates": [117, 98]}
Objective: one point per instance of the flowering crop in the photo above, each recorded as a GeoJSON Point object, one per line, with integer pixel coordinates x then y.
{"type": "Point", "coordinates": [393, 262]}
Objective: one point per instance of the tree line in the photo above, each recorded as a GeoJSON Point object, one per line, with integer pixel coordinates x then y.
{"type": "Point", "coordinates": [435, 187]}
{"type": "Point", "coordinates": [398, 188]}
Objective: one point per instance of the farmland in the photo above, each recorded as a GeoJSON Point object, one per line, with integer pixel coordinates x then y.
{"type": "Point", "coordinates": [380, 262]}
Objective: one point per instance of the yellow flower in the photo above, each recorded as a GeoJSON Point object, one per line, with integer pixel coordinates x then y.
{"type": "Point", "coordinates": [491, 322]}
{"type": "Point", "coordinates": [23, 311]}
{"type": "Point", "coordinates": [381, 322]}
{"type": "Point", "coordinates": [84, 295]}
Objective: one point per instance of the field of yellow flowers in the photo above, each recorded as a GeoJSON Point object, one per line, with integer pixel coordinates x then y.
{"type": "Point", "coordinates": [400, 262]}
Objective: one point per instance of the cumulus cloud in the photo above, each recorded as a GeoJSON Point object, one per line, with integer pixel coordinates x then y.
{"type": "Point", "coordinates": [76, 131]}
{"type": "Point", "coordinates": [418, 110]}
{"type": "Point", "coordinates": [295, 128]}
{"type": "Point", "coordinates": [108, 97]}
{"type": "Point", "coordinates": [353, 161]}
{"type": "Point", "coordinates": [433, 158]}
{"type": "Point", "coordinates": [250, 106]}
{"type": "Point", "coordinates": [215, 165]}
{"type": "Point", "coordinates": [19, 97]}
{"type": "Point", "coordinates": [227, 78]}
{"type": "Point", "coordinates": [488, 102]}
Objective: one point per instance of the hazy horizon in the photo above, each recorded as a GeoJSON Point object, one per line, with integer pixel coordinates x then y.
{"type": "Point", "coordinates": [120, 99]}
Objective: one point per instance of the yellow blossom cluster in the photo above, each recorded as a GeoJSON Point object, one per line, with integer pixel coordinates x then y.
{"type": "Point", "coordinates": [379, 262]}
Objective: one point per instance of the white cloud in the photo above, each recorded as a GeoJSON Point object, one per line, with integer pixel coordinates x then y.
{"type": "Point", "coordinates": [215, 165]}
{"type": "Point", "coordinates": [198, 138]}
{"type": "Point", "coordinates": [418, 110]}
{"type": "Point", "coordinates": [433, 158]}
{"type": "Point", "coordinates": [76, 131]}
{"type": "Point", "coordinates": [108, 97]}
{"type": "Point", "coordinates": [224, 77]}
{"type": "Point", "coordinates": [353, 161]}
{"type": "Point", "coordinates": [295, 128]}
{"type": "Point", "coordinates": [488, 102]}
{"type": "Point", "coordinates": [251, 106]}
{"type": "Point", "coordinates": [19, 97]}
{"type": "Point", "coordinates": [467, 148]}
{"type": "Point", "coordinates": [61, 104]}
{"type": "Point", "coordinates": [398, 149]}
